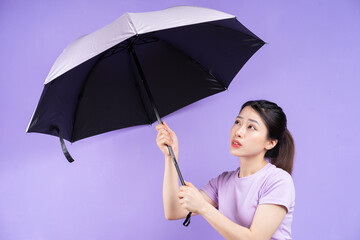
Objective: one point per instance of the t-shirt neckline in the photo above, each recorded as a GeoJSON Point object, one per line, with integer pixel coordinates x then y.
{"type": "Point", "coordinates": [252, 175]}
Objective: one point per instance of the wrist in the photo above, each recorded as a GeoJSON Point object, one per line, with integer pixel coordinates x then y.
{"type": "Point", "coordinates": [168, 157]}
{"type": "Point", "coordinates": [205, 208]}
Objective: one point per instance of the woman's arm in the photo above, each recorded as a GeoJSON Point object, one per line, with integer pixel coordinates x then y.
{"type": "Point", "coordinates": [166, 137]}
{"type": "Point", "coordinates": [172, 207]}
{"type": "Point", "coordinates": [267, 218]}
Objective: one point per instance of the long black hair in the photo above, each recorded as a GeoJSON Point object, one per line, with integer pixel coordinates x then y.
{"type": "Point", "coordinates": [282, 155]}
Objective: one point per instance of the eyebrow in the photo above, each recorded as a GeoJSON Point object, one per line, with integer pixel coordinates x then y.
{"type": "Point", "coordinates": [251, 120]}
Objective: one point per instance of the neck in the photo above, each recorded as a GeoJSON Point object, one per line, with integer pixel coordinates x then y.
{"type": "Point", "coordinates": [249, 166]}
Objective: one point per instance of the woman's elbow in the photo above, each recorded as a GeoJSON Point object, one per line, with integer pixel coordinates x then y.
{"type": "Point", "coordinates": [169, 216]}
{"type": "Point", "coordinates": [172, 216]}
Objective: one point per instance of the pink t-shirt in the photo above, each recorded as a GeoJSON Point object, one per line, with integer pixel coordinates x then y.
{"type": "Point", "coordinates": [237, 198]}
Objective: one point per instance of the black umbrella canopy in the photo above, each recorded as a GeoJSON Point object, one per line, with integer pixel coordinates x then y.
{"type": "Point", "coordinates": [161, 62]}
{"type": "Point", "coordinates": [181, 65]}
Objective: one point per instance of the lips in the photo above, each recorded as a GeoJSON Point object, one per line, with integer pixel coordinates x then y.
{"type": "Point", "coordinates": [235, 144]}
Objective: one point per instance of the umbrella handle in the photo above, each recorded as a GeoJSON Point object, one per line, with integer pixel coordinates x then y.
{"type": "Point", "coordinates": [187, 220]}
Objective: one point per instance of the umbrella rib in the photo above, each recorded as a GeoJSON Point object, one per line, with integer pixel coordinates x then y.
{"type": "Point", "coordinates": [119, 47]}
{"type": "Point", "coordinates": [195, 61]}
{"type": "Point", "coordinates": [251, 35]}
{"type": "Point", "coordinates": [81, 93]}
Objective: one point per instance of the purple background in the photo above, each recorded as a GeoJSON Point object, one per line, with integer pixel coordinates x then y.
{"type": "Point", "coordinates": [114, 188]}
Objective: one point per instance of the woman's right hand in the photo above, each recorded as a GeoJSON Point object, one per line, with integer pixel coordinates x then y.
{"type": "Point", "coordinates": [166, 137]}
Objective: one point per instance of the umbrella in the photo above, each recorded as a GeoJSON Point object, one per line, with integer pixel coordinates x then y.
{"type": "Point", "coordinates": [139, 68]}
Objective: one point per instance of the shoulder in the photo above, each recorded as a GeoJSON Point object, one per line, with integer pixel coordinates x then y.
{"type": "Point", "coordinates": [224, 177]}
{"type": "Point", "coordinates": [277, 187]}
{"type": "Point", "coordinates": [275, 174]}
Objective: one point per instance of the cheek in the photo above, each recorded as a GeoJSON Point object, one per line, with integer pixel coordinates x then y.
{"type": "Point", "coordinates": [257, 139]}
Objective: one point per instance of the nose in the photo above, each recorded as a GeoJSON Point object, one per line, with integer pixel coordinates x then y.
{"type": "Point", "coordinates": [240, 132]}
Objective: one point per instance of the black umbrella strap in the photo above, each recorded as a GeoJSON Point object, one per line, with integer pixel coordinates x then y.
{"type": "Point", "coordinates": [64, 149]}
{"type": "Point", "coordinates": [187, 220]}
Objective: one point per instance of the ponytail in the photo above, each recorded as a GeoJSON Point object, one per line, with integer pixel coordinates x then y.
{"type": "Point", "coordinates": [285, 150]}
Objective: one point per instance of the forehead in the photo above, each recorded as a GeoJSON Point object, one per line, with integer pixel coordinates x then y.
{"type": "Point", "coordinates": [249, 113]}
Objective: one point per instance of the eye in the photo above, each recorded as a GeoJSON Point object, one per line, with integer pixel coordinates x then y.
{"type": "Point", "coordinates": [252, 127]}
{"type": "Point", "coordinates": [237, 122]}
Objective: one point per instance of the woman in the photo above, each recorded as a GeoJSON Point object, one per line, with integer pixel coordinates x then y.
{"type": "Point", "coordinates": [255, 201]}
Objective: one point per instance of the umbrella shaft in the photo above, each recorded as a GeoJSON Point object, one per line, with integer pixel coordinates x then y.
{"type": "Point", "coordinates": [176, 165]}
{"type": "Point", "coordinates": [142, 76]}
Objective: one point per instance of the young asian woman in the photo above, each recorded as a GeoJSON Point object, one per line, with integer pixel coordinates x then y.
{"type": "Point", "coordinates": [255, 201]}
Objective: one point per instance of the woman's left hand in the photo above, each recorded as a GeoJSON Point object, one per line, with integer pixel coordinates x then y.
{"type": "Point", "coordinates": [190, 198]}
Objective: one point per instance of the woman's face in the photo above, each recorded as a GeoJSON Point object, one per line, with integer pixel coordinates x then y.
{"type": "Point", "coordinates": [248, 137]}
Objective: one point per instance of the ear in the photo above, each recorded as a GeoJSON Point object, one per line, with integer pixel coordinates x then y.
{"type": "Point", "coordinates": [271, 144]}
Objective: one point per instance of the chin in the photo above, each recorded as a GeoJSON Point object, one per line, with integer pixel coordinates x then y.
{"type": "Point", "coordinates": [235, 153]}
{"type": "Point", "coordinates": [243, 153]}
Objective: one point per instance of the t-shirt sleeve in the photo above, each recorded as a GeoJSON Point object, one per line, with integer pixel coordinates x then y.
{"type": "Point", "coordinates": [279, 190]}
{"type": "Point", "coordinates": [212, 189]}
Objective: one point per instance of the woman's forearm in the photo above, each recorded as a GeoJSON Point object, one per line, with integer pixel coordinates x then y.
{"type": "Point", "coordinates": [172, 208]}
{"type": "Point", "coordinates": [227, 228]}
